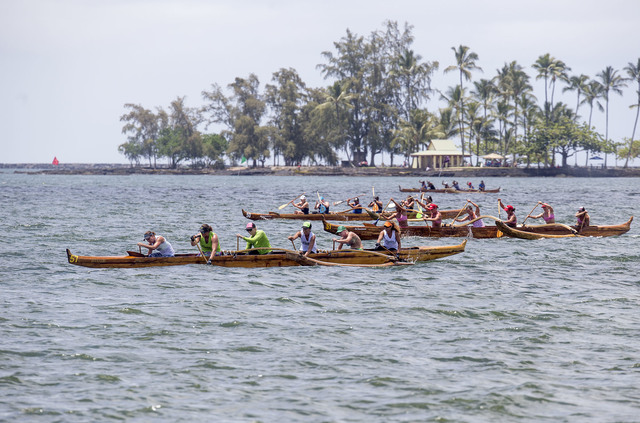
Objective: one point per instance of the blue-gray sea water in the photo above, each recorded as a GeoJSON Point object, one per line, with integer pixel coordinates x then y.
{"type": "Point", "coordinates": [508, 331]}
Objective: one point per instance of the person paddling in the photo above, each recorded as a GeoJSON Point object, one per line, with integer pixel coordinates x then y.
{"type": "Point", "coordinates": [256, 239]}
{"type": "Point", "coordinates": [583, 218]}
{"type": "Point", "coordinates": [302, 205]}
{"type": "Point", "coordinates": [349, 238]}
{"type": "Point", "coordinates": [158, 243]}
{"type": "Point", "coordinates": [547, 213]}
{"type": "Point", "coordinates": [208, 241]}
{"type": "Point", "coordinates": [436, 216]}
{"type": "Point", "coordinates": [512, 220]}
{"type": "Point", "coordinates": [471, 215]}
{"type": "Point", "coordinates": [389, 238]}
{"type": "Point", "coordinates": [307, 239]}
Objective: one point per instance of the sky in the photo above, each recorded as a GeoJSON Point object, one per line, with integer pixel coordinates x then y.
{"type": "Point", "coordinates": [68, 67]}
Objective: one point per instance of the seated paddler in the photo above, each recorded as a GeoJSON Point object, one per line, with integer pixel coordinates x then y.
{"type": "Point", "coordinates": [307, 239]}
{"type": "Point", "coordinates": [157, 245]}
{"type": "Point", "coordinates": [257, 240]}
{"type": "Point", "coordinates": [208, 241]}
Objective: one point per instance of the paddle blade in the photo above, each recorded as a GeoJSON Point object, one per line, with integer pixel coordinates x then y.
{"type": "Point", "coordinates": [418, 215]}
{"type": "Point", "coordinates": [283, 206]}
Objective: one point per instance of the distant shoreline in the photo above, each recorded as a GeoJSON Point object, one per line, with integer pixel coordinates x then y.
{"type": "Point", "coordinates": [125, 169]}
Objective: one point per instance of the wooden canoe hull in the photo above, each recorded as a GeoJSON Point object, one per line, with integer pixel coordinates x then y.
{"type": "Point", "coordinates": [280, 258]}
{"type": "Point", "coordinates": [341, 216]}
{"type": "Point", "coordinates": [562, 231]}
{"type": "Point", "coordinates": [369, 231]}
{"type": "Point", "coordinates": [451, 190]}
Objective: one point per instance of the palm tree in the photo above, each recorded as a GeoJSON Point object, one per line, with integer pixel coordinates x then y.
{"type": "Point", "coordinates": [634, 75]}
{"type": "Point", "coordinates": [465, 63]}
{"type": "Point", "coordinates": [558, 71]}
{"type": "Point", "coordinates": [592, 92]}
{"type": "Point", "coordinates": [577, 84]}
{"type": "Point", "coordinates": [544, 65]}
{"type": "Point", "coordinates": [611, 82]}
{"type": "Point", "coordinates": [513, 82]}
{"type": "Point", "coordinates": [420, 130]}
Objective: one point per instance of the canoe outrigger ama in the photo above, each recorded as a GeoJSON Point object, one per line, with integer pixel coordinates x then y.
{"type": "Point", "coordinates": [278, 258]}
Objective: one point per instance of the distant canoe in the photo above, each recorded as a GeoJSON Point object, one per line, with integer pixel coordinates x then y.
{"type": "Point", "coordinates": [349, 215]}
{"type": "Point", "coordinates": [450, 190]}
{"type": "Point", "coordinates": [279, 258]}
{"type": "Point", "coordinates": [563, 231]}
{"type": "Point", "coordinates": [339, 216]}
{"type": "Point", "coordinates": [369, 231]}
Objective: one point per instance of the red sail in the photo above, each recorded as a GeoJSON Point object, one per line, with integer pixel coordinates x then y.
{"type": "Point", "coordinates": [55, 161]}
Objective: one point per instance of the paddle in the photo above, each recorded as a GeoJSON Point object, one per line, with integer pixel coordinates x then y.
{"type": "Point", "coordinates": [525, 219]}
{"type": "Point", "coordinates": [458, 215]}
{"type": "Point", "coordinates": [286, 204]}
{"type": "Point", "coordinates": [201, 253]}
{"type": "Point", "coordinates": [380, 215]}
{"type": "Point", "coordinates": [348, 199]}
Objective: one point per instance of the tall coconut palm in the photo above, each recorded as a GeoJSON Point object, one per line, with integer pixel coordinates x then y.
{"type": "Point", "coordinates": [633, 70]}
{"type": "Point", "coordinates": [558, 72]}
{"type": "Point", "coordinates": [465, 64]}
{"type": "Point", "coordinates": [513, 82]}
{"type": "Point", "coordinates": [544, 66]}
{"type": "Point", "coordinates": [611, 82]}
{"type": "Point", "coordinates": [592, 92]}
{"type": "Point", "coordinates": [577, 84]}
{"type": "Point", "coordinates": [485, 93]}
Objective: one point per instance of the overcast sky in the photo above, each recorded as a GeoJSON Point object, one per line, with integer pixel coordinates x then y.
{"type": "Point", "coordinates": [69, 66]}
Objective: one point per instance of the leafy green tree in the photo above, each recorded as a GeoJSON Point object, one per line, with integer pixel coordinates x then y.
{"type": "Point", "coordinates": [333, 114]}
{"type": "Point", "coordinates": [213, 149]}
{"type": "Point", "coordinates": [241, 114]}
{"type": "Point", "coordinates": [142, 127]}
{"type": "Point", "coordinates": [285, 99]}
{"type": "Point", "coordinates": [611, 82]}
{"type": "Point", "coordinates": [630, 150]}
{"type": "Point", "coordinates": [633, 70]}
{"type": "Point", "coordinates": [465, 64]}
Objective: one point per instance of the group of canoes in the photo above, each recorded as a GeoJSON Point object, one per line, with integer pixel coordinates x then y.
{"type": "Point", "coordinates": [388, 250]}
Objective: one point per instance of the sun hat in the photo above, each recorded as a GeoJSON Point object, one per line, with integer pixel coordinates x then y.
{"type": "Point", "coordinates": [303, 197]}
{"type": "Point", "coordinates": [341, 228]}
{"type": "Point", "coordinates": [306, 225]}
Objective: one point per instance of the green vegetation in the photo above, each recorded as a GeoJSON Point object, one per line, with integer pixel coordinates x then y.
{"type": "Point", "coordinates": [377, 102]}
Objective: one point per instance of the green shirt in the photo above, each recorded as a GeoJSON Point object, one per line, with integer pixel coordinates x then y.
{"type": "Point", "coordinates": [207, 246]}
{"type": "Point", "coordinates": [259, 240]}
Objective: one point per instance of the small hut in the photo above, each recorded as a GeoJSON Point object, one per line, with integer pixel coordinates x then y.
{"type": "Point", "coordinates": [439, 154]}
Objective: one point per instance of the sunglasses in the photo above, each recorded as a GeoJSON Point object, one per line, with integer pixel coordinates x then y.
{"type": "Point", "coordinates": [249, 230]}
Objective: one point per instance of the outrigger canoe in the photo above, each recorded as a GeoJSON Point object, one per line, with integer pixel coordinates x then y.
{"type": "Point", "coordinates": [339, 216]}
{"type": "Point", "coordinates": [563, 231]}
{"type": "Point", "coordinates": [450, 190]}
{"type": "Point", "coordinates": [278, 258]}
{"type": "Point", "coordinates": [369, 231]}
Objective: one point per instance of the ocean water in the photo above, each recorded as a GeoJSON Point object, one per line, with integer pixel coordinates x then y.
{"type": "Point", "coordinates": [508, 331]}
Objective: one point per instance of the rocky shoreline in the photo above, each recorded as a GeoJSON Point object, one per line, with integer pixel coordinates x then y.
{"type": "Point", "coordinates": [461, 172]}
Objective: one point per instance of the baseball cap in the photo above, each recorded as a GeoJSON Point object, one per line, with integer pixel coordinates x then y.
{"type": "Point", "coordinates": [388, 224]}
{"type": "Point", "coordinates": [250, 226]}
{"type": "Point", "coordinates": [341, 228]}
{"type": "Point", "coordinates": [306, 225]}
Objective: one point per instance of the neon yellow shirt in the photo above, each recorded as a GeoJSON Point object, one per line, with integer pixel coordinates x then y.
{"type": "Point", "coordinates": [259, 240]}
{"type": "Point", "coordinates": [207, 246]}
